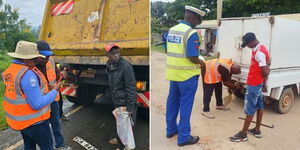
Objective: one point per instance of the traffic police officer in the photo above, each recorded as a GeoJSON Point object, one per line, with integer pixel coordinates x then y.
{"type": "Point", "coordinates": [183, 72]}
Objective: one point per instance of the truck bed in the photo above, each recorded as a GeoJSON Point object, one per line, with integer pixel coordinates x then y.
{"type": "Point", "coordinates": [91, 24]}
{"type": "Point", "coordinates": [280, 38]}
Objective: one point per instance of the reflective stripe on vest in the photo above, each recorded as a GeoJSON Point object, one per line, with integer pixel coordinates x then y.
{"type": "Point", "coordinates": [179, 67]}
{"type": "Point", "coordinates": [212, 74]}
{"type": "Point", "coordinates": [51, 75]}
{"type": "Point", "coordinates": [182, 67]}
{"type": "Point", "coordinates": [19, 114]}
{"type": "Point", "coordinates": [30, 116]}
{"type": "Point", "coordinates": [185, 40]}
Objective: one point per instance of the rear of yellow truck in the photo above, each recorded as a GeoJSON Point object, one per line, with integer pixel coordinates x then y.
{"type": "Point", "coordinates": [78, 30]}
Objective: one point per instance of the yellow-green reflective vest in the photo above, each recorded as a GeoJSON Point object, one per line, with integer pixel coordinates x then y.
{"type": "Point", "coordinates": [179, 67]}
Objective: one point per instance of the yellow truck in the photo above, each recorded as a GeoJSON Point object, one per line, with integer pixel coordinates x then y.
{"type": "Point", "coordinates": [78, 30]}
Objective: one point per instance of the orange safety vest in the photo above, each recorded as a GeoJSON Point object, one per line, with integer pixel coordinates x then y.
{"type": "Point", "coordinates": [19, 114]}
{"type": "Point", "coordinates": [212, 74]}
{"type": "Point", "coordinates": [51, 75]}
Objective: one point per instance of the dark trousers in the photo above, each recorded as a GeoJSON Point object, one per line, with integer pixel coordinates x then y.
{"type": "Point", "coordinates": [55, 125]}
{"type": "Point", "coordinates": [39, 134]}
{"type": "Point", "coordinates": [208, 90]}
{"type": "Point", "coordinates": [60, 105]}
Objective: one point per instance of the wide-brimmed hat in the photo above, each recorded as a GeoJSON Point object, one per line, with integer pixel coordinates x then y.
{"type": "Point", "coordinates": [25, 50]}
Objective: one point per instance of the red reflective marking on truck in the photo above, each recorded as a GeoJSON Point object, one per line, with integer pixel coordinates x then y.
{"type": "Point", "coordinates": [62, 8]}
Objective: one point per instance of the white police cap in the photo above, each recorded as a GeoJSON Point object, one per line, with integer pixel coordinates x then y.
{"type": "Point", "coordinates": [195, 10]}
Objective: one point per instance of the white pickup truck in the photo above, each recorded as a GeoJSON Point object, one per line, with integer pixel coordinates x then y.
{"type": "Point", "coordinates": [281, 35]}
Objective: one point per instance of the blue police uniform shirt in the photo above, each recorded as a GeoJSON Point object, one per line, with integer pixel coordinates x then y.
{"type": "Point", "coordinates": [31, 88]}
{"type": "Point", "coordinates": [193, 42]}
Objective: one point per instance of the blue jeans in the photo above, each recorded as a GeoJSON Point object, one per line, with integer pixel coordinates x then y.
{"type": "Point", "coordinates": [55, 125]}
{"type": "Point", "coordinates": [253, 99]}
{"type": "Point", "coordinates": [181, 98]}
{"type": "Point", "coordinates": [39, 134]}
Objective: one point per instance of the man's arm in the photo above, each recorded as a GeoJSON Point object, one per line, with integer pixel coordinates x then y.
{"type": "Point", "coordinates": [130, 87]}
{"type": "Point", "coordinates": [34, 96]}
{"type": "Point", "coordinates": [193, 49]}
{"type": "Point", "coordinates": [265, 71]}
{"type": "Point", "coordinates": [226, 78]}
{"type": "Point", "coordinates": [264, 67]}
{"type": "Point", "coordinates": [196, 60]}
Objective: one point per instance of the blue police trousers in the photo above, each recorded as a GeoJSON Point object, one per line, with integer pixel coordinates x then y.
{"type": "Point", "coordinates": [181, 98]}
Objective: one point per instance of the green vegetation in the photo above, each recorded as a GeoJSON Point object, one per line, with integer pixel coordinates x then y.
{"type": "Point", "coordinates": [12, 30]}
{"type": "Point", "coordinates": [158, 48]}
{"type": "Point", "coordinates": [4, 63]}
{"type": "Point", "coordinates": [167, 14]}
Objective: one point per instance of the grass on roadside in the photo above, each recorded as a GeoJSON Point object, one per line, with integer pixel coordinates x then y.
{"type": "Point", "coordinates": [4, 63]}
{"type": "Point", "coordinates": [158, 48]}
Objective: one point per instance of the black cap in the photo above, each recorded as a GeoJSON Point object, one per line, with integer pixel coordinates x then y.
{"type": "Point", "coordinates": [247, 38]}
{"type": "Point", "coordinates": [44, 48]}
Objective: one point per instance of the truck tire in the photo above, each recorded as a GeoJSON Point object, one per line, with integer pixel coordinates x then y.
{"type": "Point", "coordinates": [239, 94]}
{"type": "Point", "coordinates": [86, 95]}
{"type": "Point", "coordinates": [284, 104]}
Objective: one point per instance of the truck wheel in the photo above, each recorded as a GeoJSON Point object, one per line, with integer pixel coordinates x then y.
{"type": "Point", "coordinates": [239, 94]}
{"type": "Point", "coordinates": [71, 99]}
{"type": "Point", "coordinates": [284, 104]}
{"type": "Point", "coordinates": [86, 95]}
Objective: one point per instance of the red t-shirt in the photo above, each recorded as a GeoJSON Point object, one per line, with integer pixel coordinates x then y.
{"type": "Point", "coordinates": [254, 76]}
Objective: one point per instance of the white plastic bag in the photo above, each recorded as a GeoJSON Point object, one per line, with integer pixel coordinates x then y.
{"type": "Point", "coordinates": [124, 127]}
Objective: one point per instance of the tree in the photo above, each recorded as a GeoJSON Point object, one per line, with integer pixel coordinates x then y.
{"type": "Point", "coordinates": [244, 8]}
{"type": "Point", "coordinates": [12, 28]}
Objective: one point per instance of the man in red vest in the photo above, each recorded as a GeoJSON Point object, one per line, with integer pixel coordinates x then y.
{"type": "Point", "coordinates": [256, 84]}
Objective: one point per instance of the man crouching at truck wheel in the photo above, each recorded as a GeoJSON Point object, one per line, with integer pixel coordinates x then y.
{"type": "Point", "coordinates": [214, 72]}
{"type": "Point", "coordinates": [256, 84]}
{"type": "Point", "coordinates": [121, 80]}
{"type": "Point", "coordinates": [50, 71]}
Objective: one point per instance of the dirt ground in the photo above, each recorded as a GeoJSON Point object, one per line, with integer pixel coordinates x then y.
{"type": "Point", "coordinates": [214, 133]}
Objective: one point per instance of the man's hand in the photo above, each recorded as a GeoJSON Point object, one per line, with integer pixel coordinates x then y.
{"type": "Point", "coordinates": [238, 87]}
{"type": "Point", "coordinates": [56, 86]}
{"type": "Point", "coordinates": [63, 74]}
{"type": "Point", "coordinates": [129, 113]}
{"type": "Point", "coordinates": [265, 88]}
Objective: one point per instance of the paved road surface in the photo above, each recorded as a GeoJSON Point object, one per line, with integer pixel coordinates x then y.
{"type": "Point", "coordinates": [95, 124]}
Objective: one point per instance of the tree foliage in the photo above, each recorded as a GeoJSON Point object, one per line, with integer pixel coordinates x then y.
{"type": "Point", "coordinates": [244, 8]}
{"type": "Point", "coordinates": [12, 28]}
{"type": "Point", "coordinates": [167, 14]}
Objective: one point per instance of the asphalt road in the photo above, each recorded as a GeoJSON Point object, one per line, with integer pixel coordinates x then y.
{"type": "Point", "coordinates": [94, 124]}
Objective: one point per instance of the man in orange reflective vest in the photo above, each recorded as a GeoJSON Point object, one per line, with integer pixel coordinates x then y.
{"type": "Point", "coordinates": [48, 68]}
{"type": "Point", "coordinates": [27, 97]}
{"type": "Point", "coordinates": [214, 72]}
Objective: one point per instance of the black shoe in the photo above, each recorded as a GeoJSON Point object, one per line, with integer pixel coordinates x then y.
{"type": "Point", "coordinates": [193, 140]}
{"type": "Point", "coordinates": [64, 118]}
{"type": "Point", "coordinates": [239, 137]}
{"type": "Point", "coordinates": [171, 135]}
{"type": "Point", "coordinates": [255, 133]}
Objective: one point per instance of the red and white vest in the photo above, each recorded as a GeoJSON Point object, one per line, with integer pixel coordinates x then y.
{"type": "Point", "coordinates": [254, 76]}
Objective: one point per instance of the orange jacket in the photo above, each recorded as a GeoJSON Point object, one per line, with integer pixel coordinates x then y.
{"type": "Point", "coordinates": [212, 74]}
{"type": "Point", "coordinates": [51, 75]}
{"type": "Point", "coordinates": [19, 115]}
